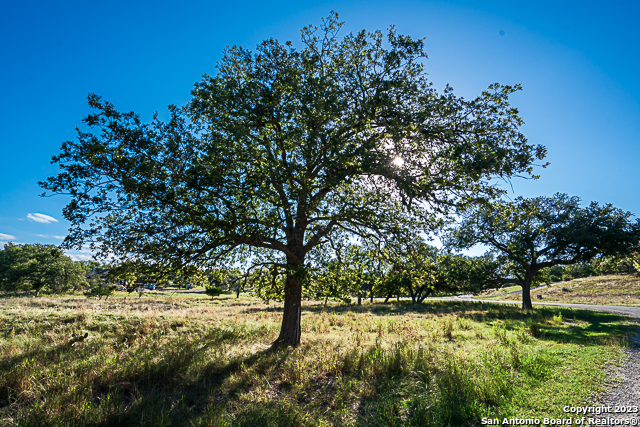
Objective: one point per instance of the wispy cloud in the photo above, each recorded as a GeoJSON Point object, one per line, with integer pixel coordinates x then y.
{"type": "Point", "coordinates": [84, 254]}
{"type": "Point", "coordinates": [50, 236]}
{"type": "Point", "coordinates": [80, 257]}
{"type": "Point", "coordinates": [7, 237]}
{"type": "Point", "coordinates": [38, 217]}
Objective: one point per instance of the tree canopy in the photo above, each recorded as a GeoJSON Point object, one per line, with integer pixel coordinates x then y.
{"type": "Point", "coordinates": [533, 234]}
{"type": "Point", "coordinates": [283, 149]}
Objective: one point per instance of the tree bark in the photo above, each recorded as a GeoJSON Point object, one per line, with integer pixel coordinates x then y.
{"type": "Point", "coordinates": [526, 291]}
{"type": "Point", "coordinates": [290, 330]}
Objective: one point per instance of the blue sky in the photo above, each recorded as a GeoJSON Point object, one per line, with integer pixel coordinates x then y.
{"type": "Point", "coordinates": [577, 61]}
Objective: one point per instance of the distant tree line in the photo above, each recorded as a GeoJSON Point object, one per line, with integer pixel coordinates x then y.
{"type": "Point", "coordinates": [354, 272]}
{"type": "Point", "coordinates": [37, 268]}
{"type": "Point", "coordinates": [629, 264]}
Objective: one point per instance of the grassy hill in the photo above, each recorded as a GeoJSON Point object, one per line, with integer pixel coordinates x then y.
{"type": "Point", "coordinates": [607, 290]}
{"type": "Point", "coordinates": [166, 360]}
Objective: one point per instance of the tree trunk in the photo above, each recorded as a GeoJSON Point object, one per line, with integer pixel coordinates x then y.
{"type": "Point", "coordinates": [238, 293]}
{"type": "Point", "coordinates": [526, 292]}
{"type": "Point", "coordinates": [422, 297]}
{"type": "Point", "coordinates": [412, 293]}
{"type": "Point", "coordinates": [359, 299]}
{"type": "Point", "coordinates": [290, 330]}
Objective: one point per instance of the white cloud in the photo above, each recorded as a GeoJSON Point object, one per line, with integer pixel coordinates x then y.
{"type": "Point", "coordinates": [83, 254]}
{"type": "Point", "coordinates": [80, 257]}
{"type": "Point", "coordinates": [38, 217]}
{"type": "Point", "coordinates": [50, 236]}
{"type": "Point", "coordinates": [7, 237]}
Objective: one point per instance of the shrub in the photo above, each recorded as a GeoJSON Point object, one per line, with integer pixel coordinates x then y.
{"type": "Point", "coordinates": [213, 291]}
{"type": "Point", "coordinates": [100, 291]}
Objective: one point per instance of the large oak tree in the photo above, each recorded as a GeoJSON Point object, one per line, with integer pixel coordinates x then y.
{"type": "Point", "coordinates": [529, 235]}
{"type": "Point", "coordinates": [282, 148]}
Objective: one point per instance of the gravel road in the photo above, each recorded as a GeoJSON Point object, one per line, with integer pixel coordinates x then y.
{"type": "Point", "coordinates": [627, 395]}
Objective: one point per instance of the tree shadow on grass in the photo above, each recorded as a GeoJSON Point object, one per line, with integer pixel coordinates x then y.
{"type": "Point", "coordinates": [200, 400]}
{"type": "Point", "coordinates": [220, 389]}
{"type": "Point", "coordinates": [162, 394]}
{"type": "Point", "coordinates": [601, 329]}
{"type": "Point", "coordinates": [179, 387]}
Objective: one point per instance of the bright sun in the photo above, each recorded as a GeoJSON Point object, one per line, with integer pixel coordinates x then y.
{"type": "Point", "coordinates": [398, 161]}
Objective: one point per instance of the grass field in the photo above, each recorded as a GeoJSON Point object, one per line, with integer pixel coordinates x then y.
{"type": "Point", "coordinates": [499, 292]}
{"type": "Point", "coordinates": [606, 290]}
{"type": "Point", "coordinates": [186, 360]}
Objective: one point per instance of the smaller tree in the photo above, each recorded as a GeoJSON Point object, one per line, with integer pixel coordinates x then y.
{"type": "Point", "coordinates": [532, 234]}
{"type": "Point", "coordinates": [228, 279]}
{"type": "Point", "coordinates": [349, 269]}
{"type": "Point", "coordinates": [124, 274]}
{"type": "Point", "coordinates": [422, 271]}
{"type": "Point", "coordinates": [94, 272]}
{"type": "Point", "coordinates": [618, 264]}
{"type": "Point", "coordinates": [71, 276]}
{"type": "Point", "coordinates": [413, 268]}
{"type": "Point", "coordinates": [457, 274]}
{"type": "Point", "coordinates": [325, 281]}
{"type": "Point", "coordinates": [358, 271]}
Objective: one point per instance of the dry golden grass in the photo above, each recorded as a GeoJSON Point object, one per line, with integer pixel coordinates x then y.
{"type": "Point", "coordinates": [604, 290]}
